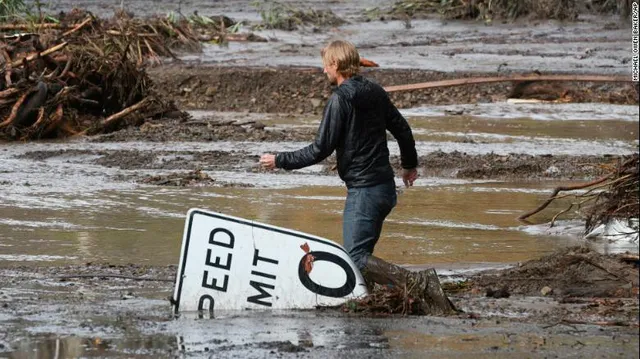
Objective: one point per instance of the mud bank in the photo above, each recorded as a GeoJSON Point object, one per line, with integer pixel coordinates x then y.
{"type": "Point", "coordinates": [305, 90]}
{"type": "Point", "coordinates": [435, 164]}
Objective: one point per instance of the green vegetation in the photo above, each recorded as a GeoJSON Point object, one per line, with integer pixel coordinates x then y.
{"type": "Point", "coordinates": [276, 15]}
{"type": "Point", "coordinates": [18, 11]}
{"type": "Point", "coordinates": [11, 9]}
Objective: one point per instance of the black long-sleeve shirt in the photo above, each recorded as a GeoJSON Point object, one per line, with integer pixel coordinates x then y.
{"type": "Point", "coordinates": [354, 123]}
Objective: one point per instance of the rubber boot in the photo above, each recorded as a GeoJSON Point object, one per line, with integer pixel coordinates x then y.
{"type": "Point", "coordinates": [423, 285]}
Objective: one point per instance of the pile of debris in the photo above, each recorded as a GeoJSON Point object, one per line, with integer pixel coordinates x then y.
{"type": "Point", "coordinates": [84, 75]}
{"type": "Point", "coordinates": [620, 200]}
{"type": "Point", "coordinates": [505, 9]}
{"type": "Point", "coordinates": [572, 272]}
{"type": "Point", "coordinates": [383, 300]}
{"type": "Point", "coordinates": [606, 200]}
{"type": "Point", "coordinates": [72, 88]}
{"type": "Point", "coordinates": [276, 15]}
{"type": "Point", "coordinates": [189, 179]}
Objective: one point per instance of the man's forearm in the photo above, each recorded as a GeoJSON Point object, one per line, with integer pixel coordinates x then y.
{"type": "Point", "coordinates": [301, 158]}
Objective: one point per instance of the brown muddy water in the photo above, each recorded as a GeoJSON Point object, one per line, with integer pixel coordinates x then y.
{"type": "Point", "coordinates": [65, 208]}
{"type": "Point", "coordinates": [60, 210]}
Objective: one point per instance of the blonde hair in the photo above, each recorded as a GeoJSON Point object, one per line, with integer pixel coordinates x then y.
{"type": "Point", "coordinates": [344, 55]}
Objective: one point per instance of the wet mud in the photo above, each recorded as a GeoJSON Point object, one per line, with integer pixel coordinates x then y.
{"type": "Point", "coordinates": [116, 308]}
{"type": "Point", "coordinates": [435, 164]}
{"type": "Point", "coordinates": [269, 90]}
{"type": "Point", "coordinates": [573, 272]}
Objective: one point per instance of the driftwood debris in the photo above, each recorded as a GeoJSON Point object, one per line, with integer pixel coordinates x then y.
{"type": "Point", "coordinates": [80, 81]}
{"type": "Point", "coordinates": [613, 196]}
{"type": "Point", "coordinates": [86, 75]}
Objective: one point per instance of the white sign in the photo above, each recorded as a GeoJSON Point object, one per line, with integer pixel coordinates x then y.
{"type": "Point", "coordinates": [232, 263]}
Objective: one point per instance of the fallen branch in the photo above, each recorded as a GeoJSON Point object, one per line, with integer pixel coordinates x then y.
{"type": "Point", "coordinates": [131, 109]}
{"type": "Point", "coordinates": [219, 123]}
{"type": "Point", "coordinates": [120, 33]}
{"type": "Point", "coordinates": [14, 109]}
{"type": "Point", "coordinates": [78, 27]}
{"type": "Point", "coordinates": [479, 80]}
{"type": "Point", "coordinates": [558, 190]}
{"type": "Point", "coordinates": [9, 92]}
{"type": "Point", "coordinates": [39, 54]}
{"type": "Point", "coordinates": [7, 60]}
{"type": "Point", "coordinates": [55, 120]}
{"type": "Point", "coordinates": [10, 27]}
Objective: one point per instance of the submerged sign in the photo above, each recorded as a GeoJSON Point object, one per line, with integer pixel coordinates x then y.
{"type": "Point", "coordinates": [232, 263]}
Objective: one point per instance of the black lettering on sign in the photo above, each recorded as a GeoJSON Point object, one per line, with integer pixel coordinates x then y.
{"type": "Point", "coordinates": [266, 275]}
{"type": "Point", "coordinates": [206, 298]}
{"type": "Point", "coordinates": [221, 242]}
{"type": "Point", "coordinates": [339, 292]}
{"type": "Point", "coordinates": [212, 236]}
{"type": "Point", "coordinates": [256, 258]}
{"type": "Point", "coordinates": [217, 264]}
{"type": "Point", "coordinates": [263, 293]}
{"type": "Point", "coordinates": [214, 282]}
{"type": "Point", "coordinates": [259, 285]}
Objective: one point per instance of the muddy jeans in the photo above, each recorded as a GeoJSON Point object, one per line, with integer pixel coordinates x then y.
{"type": "Point", "coordinates": [364, 212]}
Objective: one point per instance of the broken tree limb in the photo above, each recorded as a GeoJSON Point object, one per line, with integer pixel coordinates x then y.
{"type": "Point", "coordinates": [9, 27]}
{"type": "Point", "coordinates": [54, 121]}
{"type": "Point", "coordinates": [67, 66]}
{"type": "Point", "coordinates": [480, 80]}
{"type": "Point", "coordinates": [120, 33]}
{"type": "Point", "coordinates": [15, 108]}
{"type": "Point", "coordinates": [9, 92]}
{"type": "Point", "coordinates": [78, 27]}
{"type": "Point", "coordinates": [40, 54]}
{"type": "Point", "coordinates": [129, 110]}
{"type": "Point", "coordinates": [558, 190]}
{"type": "Point", "coordinates": [7, 60]}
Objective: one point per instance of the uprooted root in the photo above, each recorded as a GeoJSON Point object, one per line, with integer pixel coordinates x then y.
{"type": "Point", "coordinates": [386, 300]}
{"type": "Point", "coordinates": [613, 196]}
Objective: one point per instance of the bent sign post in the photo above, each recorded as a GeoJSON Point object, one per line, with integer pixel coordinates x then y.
{"type": "Point", "coordinates": [232, 263]}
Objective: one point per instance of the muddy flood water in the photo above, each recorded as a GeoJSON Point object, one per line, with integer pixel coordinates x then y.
{"type": "Point", "coordinates": [89, 244]}
{"type": "Point", "coordinates": [66, 208]}
{"type": "Point", "coordinates": [61, 208]}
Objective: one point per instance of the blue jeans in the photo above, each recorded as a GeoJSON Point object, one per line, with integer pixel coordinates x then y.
{"type": "Point", "coordinates": [364, 212]}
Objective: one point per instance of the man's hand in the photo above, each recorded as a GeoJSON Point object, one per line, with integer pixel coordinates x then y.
{"type": "Point", "coordinates": [409, 176]}
{"type": "Point", "coordinates": [268, 161]}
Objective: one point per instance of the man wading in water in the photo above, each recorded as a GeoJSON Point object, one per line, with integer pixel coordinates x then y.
{"type": "Point", "coordinates": [355, 121]}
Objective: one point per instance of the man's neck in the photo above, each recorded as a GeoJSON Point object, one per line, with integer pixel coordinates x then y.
{"type": "Point", "coordinates": [340, 79]}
